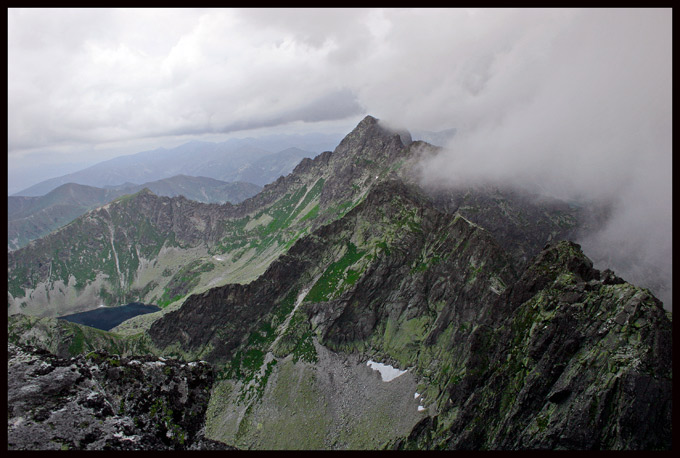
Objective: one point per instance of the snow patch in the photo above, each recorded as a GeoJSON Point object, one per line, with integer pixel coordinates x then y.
{"type": "Point", "coordinates": [387, 372]}
{"type": "Point", "coordinates": [218, 258]}
{"type": "Point", "coordinates": [416, 395]}
{"type": "Point", "coordinates": [421, 408]}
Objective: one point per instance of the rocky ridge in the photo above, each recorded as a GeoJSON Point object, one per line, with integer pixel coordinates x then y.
{"type": "Point", "coordinates": [129, 249]}
{"type": "Point", "coordinates": [29, 218]}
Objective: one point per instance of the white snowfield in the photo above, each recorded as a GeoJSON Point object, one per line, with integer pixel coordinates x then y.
{"type": "Point", "coordinates": [387, 372]}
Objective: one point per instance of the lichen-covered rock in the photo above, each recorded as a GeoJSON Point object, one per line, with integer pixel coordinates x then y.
{"type": "Point", "coordinates": [105, 402]}
{"type": "Point", "coordinates": [580, 360]}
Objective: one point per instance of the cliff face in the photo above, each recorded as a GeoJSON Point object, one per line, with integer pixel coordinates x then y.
{"type": "Point", "coordinates": [391, 246]}
{"type": "Point", "coordinates": [580, 360]}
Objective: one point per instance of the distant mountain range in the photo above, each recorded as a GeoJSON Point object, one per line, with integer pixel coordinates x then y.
{"type": "Point", "coordinates": [200, 189]}
{"type": "Point", "coordinates": [229, 171]}
{"type": "Point", "coordinates": [255, 160]}
{"type": "Point", "coordinates": [29, 218]}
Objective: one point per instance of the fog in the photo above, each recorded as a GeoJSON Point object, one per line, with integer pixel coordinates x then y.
{"type": "Point", "coordinates": [586, 117]}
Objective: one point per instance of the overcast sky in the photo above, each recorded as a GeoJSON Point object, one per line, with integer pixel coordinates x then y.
{"type": "Point", "coordinates": [577, 102]}
{"type": "Point", "coordinates": [87, 84]}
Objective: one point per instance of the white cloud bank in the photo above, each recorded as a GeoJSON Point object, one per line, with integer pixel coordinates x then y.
{"type": "Point", "coordinates": [579, 106]}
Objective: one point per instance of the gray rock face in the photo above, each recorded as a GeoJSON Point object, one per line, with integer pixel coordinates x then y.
{"type": "Point", "coordinates": [575, 359]}
{"type": "Point", "coordinates": [102, 402]}
{"type": "Point", "coordinates": [377, 148]}
{"type": "Point", "coordinates": [521, 222]}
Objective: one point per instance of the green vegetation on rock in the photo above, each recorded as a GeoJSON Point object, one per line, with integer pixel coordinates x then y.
{"type": "Point", "coordinates": [336, 275]}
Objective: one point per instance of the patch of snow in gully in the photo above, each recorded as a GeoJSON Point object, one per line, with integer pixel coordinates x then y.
{"type": "Point", "coordinates": [387, 372]}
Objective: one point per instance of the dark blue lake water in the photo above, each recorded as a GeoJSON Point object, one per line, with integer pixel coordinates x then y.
{"type": "Point", "coordinates": [107, 318]}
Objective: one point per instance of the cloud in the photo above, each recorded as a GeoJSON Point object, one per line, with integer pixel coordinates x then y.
{"type": "Point", "coordinates": [585, 115]}
{"type": "Point", "coordinates": [107, 75]}
{"type": "Point", "coordinates": [103, 75]}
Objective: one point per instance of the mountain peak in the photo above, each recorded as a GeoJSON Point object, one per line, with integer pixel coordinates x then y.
{"type": "Point", "coordinates": [371, 136]}
{"type": "Point", "coordinates": [368, 120]}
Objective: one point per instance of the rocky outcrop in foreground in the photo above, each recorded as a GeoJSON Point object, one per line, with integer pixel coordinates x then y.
{"type": "Point", "coordinates": [103, 402]}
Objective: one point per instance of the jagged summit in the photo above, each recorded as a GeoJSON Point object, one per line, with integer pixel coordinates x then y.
{"type": "Point", "coordinates": [371, 121]}
{"type": "Point", "coordinates": [368, 120]}
{"type": "Point", "coordinates": [368, 154]}
{"type": "Point", "coordinates": [369, 135]}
